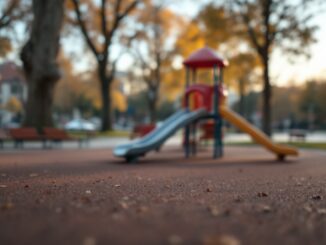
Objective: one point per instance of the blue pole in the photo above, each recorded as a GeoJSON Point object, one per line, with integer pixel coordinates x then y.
{"type": "Point", "coordinates": [187, 129]}
{"type": "Point", "coordinates": [217, 125]}
{"type": "Point", "coordinates": [221, 121]}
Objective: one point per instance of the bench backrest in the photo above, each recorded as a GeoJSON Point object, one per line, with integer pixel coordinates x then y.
{"type": "Point", "coordinates": [24, 133]}
{"type": "Point", "coordinates": [143, 129]}
{"type": "Point", "coordinates": [55, 133]}
{"type": "Point", "coordinates": [3, 134]}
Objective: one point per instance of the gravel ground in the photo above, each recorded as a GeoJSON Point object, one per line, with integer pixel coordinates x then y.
{"type": "Point", "coordinates": [88, 197]}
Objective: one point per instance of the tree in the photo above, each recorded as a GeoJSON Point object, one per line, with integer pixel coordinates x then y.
{"type": "Point", "coordinates": [39, 59]}
{"type": "Point", "coordinates": [14, 105]}
{"type": "Point", "coordinates": [208, 28]}
{"type": "Point", "coordinates": [243, 62]}
{"type": "Point", "coordinates": [10, 12]}
{"type": "Point", "coordinates": [271, 24]}
{"type": "Point", "coordinates": [99, 27]}
{"type": "Point", "coordinates": [240, 74]}
{"type": "Point", "coordinates": [152, 54]}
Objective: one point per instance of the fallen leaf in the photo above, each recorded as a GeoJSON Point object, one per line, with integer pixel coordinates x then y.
{"type": "Point", "coordinates": [221, 240]}
{"type": "Point", "coordinates": [85, 199]}
{"type": "Point", "coordinates": [89, 241]}
{"type": "Point", "coordinates": [142, 209]}
{"type": "Point", "coordinates": [175, 239]}
{"type": "Point", "coordinates": [213, 210]}
{"type": "Point", "coordinates": [124, 205]}
{"type": "Point", "coordinates": [227, 212]}
{"type": "Point", "coordinates": [262, 194]}
{"type": "Point", "coordinates": [7, 206]}
{"type": "Point", "coordinates": [308, 208]}
{"type": "Point", "coordinates": [321, 211]}
{"type": "Point", "coordinates": [117, 216]}
{"type": "Point", "coordinates": [117, 185]}
{"type": "Point", "coordinates": [48, 192]}
{"type": "Point", "coordinates": [316, 197]}
{"type": "Point", "coordinates": [265, 208]}
{"type": "Point", "coordinates": [238, 199]}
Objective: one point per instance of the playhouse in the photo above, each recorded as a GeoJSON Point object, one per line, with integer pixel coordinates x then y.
{"type": "Point", "coordinates": [204, 96]}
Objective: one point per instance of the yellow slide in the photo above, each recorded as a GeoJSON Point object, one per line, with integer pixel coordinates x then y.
{"type": "Point", "coordinates": [257, 135]}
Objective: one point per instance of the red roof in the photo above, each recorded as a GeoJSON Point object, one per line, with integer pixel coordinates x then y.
{"type": "Point", "coordinates": [205, 58]}
{"type": "Point", "coordinates": [9, 72]}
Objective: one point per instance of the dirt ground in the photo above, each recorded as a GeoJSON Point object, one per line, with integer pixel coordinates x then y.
{"type": "Point", "coordinates": [89, 197]}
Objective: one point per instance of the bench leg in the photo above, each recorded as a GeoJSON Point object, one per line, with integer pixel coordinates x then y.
{"type": "Point", "coordinates": [19, 144]}
{"type": "Point", "coordinates": [44, 144]}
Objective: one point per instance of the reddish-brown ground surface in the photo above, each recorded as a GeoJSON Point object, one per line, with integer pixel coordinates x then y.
{"type": "Point", "coordinates": [89, 197]}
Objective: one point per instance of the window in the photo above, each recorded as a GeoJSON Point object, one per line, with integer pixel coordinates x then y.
{"type": "Point", "coordinates": [15, 89]}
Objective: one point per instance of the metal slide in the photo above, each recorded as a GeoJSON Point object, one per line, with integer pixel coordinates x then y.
{"type": "Point", "coordinates": [156, 138]}
{"type": "Point", "coordinates": [257, 135]}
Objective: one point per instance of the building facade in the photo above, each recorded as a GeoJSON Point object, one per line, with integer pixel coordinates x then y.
{"type": "Point", "coordinates": [13, 93]}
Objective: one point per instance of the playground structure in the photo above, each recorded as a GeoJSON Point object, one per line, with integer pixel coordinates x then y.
{"type": "Point", "coordinates": [208, 106]}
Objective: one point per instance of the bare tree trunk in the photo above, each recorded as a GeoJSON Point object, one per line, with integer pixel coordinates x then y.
{"type": "Point", "coordinates": [39, 58]}
{"type": "Point", "coordinates": [105, 81]}
{"type": "Point", "coordinates": [152, 104]}
{"type": "Point", "coordinates": [267, 94]}
{"type": "Point", "coordinates": [106, 104]}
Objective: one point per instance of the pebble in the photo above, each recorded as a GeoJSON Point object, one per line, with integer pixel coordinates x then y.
{"type": "Point", "coordinates": [321, 211]}
{"type": "Point", "coordinates": [221, 240]}
{"type": "Point", "coordinates": [213, 210]}
{"type": "Point", "coordinates": [89, 241]}
{"type": "Point", "coordinates": [7, 206]}
{"type": "Point", "coordinates": [262, 194]}
{"type": "Point", "coordinates": [175, 239]}
{"type": "Point", "coordinates": [265, 208]}
{"type": "Point", "coordinates": [142, 209]}
{"type": "Point", "coordinates": [316, 197]}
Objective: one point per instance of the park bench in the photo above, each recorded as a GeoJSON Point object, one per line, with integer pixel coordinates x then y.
{"type": "Point", "coordinates": [3, 137]}
{"type": "Point", "coordinates": [141, 130]}
{"type": "Point", "coordinates": [56, 135]}
{"type": "Point", "coordinates": [20, 135]}
{"type": "Point", "coordinates": [299, 134]}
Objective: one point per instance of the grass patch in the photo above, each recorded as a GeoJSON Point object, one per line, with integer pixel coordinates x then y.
{"type": "Point", "coordinates": [309, 145]}
{"type": "Point", "coordinates": [116, 133]}
{"type": "Point", "coordinates": [304, 145]}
